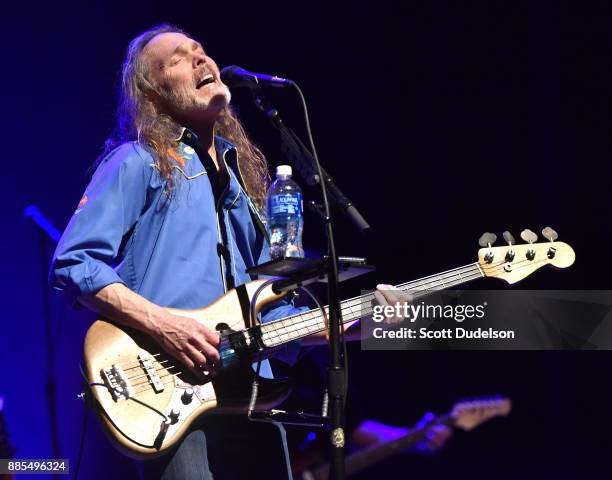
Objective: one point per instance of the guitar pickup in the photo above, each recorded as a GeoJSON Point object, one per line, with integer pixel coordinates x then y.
{"type": "Point", "coordinates": [117, 383]}
{"type": "Point", "coordinates": [146, 361]}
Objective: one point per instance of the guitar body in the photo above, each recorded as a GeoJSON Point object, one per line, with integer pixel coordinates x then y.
{"type": "Point", "coordinates": [118, 359]}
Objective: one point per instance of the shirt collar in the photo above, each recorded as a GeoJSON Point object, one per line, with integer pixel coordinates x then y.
{"type": "Point", "coordinates": [222, 145]}
{"type": "Point", "coordinates": [226, 150]}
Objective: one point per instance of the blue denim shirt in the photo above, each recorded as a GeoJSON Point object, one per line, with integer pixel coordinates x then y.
{"type": "Point", "coordinates": [127, 230]}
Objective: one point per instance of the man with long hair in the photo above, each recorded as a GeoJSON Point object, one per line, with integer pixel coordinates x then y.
{"type": "Point", "coordinates": [171, 218]}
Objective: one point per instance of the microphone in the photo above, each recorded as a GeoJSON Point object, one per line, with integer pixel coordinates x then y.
{"type": "Point", "coordinates": [234, 76]}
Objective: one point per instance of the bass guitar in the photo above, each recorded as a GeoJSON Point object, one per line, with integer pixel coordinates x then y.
{"type": "Point", "coordinates": [147, 401]}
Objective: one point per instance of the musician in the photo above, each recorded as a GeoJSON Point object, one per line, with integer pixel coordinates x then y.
{"type": "Point", "coordinates": [310, 450]}
{"type": "Point", "coordinates": [172, 218]}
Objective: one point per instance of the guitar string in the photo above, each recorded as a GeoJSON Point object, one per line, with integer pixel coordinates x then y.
{"type": "Point", "coordinates": [137, 363]}
{"type": "Point", "coordinates": [349, 304]}
{"type": "Point", "coordinates": [146, 385]}
{"type": "Point", "coordinates": [148, 381]}
{"type": "Point", "coordinates": [435, 279]}
{"type": "Point", "coordinates": [476, 274]}
{"type": "Point", "coordinates": [274, 327]}
{"type": "Point", "coordinates": [344, 305]}
{"type": "Point", "coordinates": [446, 274]}
{"type": "Point", "coordinates": [295, 327]}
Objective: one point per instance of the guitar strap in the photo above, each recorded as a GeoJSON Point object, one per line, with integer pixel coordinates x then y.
{"type": "Point", "coordinates": [218, 181]}
{"type": "Point", "coordinates": [245, 304]}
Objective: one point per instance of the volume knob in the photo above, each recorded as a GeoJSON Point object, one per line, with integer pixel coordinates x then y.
{"type": "Point", "coordinates": [174, 415]}
{"type": "Point", "coordinates": [187, 396]}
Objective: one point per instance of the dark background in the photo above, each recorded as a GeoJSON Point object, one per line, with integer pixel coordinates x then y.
{"type": "Point", "coordinates": [440, 119]}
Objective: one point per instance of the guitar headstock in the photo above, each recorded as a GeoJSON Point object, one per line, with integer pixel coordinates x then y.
{"type": "Point", "coordinates": [514, 262]}
{"type": "Point", "coordinates": [470, 414]}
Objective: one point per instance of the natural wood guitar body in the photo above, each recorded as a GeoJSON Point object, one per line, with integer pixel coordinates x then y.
{"type": "Point", "coordinates": [140, 431]}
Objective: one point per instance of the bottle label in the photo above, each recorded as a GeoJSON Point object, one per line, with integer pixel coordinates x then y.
{"type": "Point", "coordinates": [290, 204]}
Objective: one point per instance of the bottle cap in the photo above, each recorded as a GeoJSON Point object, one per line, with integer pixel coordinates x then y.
{"type": "Point", "coordinates": [283, 170]}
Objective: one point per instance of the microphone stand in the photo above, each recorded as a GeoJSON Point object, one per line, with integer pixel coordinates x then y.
{"type": "Point", "coordinates": [310, 169]}
{"type": "Point", "coordinates": [47, 235]}
{"type": "Point", "coordinates": [305, 163]}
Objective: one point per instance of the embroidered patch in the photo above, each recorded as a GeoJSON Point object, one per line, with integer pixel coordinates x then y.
{"type": "Point", "coordinates": [81, 204]}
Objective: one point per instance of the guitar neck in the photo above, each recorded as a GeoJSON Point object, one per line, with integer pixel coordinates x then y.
{"type": "Point", "coordinates": [369, 456]}
{"type": "Point", "coordinates": [292, 328]}
{"type": "Point", "coordinates": [362, 459]}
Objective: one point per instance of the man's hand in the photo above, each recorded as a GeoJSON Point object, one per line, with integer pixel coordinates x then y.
{"type": "Point", "coordinates": [385, 295]}
{"type": "Point", "coordinates": [389, 295]}
{"type": "Point", "coordinates": [182, 337]}
{"type": "Point", "coordinates": [435, 438]}
{"type": "Point", "coordinates": [189, 341]}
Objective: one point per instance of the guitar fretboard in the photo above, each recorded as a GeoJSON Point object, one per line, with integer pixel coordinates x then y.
{"type": "Point", "coordinates": [303, 324]}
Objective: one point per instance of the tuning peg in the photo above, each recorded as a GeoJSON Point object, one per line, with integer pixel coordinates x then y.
{"type": "Point", "coordinates": [529, 236]}
{"type": "Point", "coordinates": [509, 238]}
{"type": "Point", "coordinates": [550, 234]}
{"type": "Point", "coordinates": [487, 239]}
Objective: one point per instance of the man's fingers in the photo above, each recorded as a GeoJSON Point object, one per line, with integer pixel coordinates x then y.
{"type": "Point", "coordinates": [196, 356]}
{"type": "Point", "coordinates": [389, 295]}
{"type": "Point", "coordinates": [211, 353]}
{"type": "Point", "coordinates": [211, 336]}
{"type": "Point", "coordinates": [381, 300]}
{"type": "Point", "coordinates": [384, 291]}
{"type": "Point", "coordinates": [196, 362]}
{"type": "Point", "coordinates": [188, 362]}
{"type": "Point", "coordinates": [202, 366]}
{"type": "Point", "coordinates": [207, 341]}
{"type": "Point", "coordinates": [437, 436]}
{"type": "Point", "coordinates": [393, 295]}
{"type": "Point", "coordinates": [444, 433]}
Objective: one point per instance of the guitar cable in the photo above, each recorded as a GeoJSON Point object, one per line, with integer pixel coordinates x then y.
{"type": "Point", "coordinates": [325, 404]}
{"type": "Point", "coordinates": [253, 319]}
{"type": "Point", "coordinates": [89, 400]}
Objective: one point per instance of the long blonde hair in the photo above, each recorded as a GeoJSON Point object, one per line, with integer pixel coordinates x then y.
{"type": "Point", "coordinates": [139, 118]}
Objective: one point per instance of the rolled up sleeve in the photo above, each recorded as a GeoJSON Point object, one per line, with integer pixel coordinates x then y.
{"type": "Point", "coordinates": [90, 246]}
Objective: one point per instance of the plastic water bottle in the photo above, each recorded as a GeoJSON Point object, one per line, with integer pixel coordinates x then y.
{"type": "Point", "coordinates": [285, 220]}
